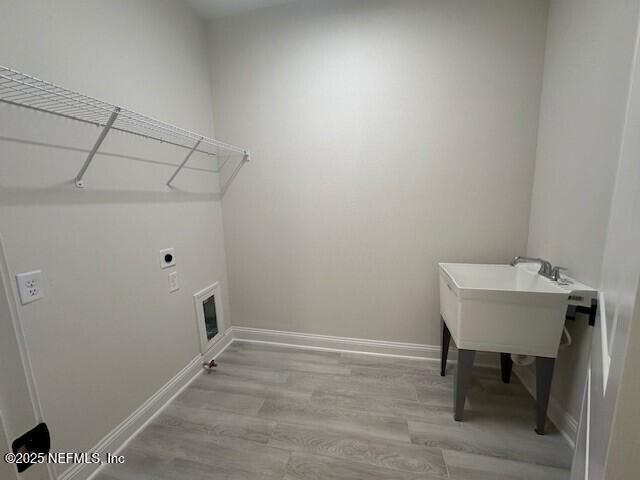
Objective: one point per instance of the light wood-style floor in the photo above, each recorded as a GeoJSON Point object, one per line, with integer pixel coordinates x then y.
{"type": "Point", "coordinates": [276, 413]}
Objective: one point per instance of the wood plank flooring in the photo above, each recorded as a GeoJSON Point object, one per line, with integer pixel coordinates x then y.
{"type": "Point", "coordinates": [277, 413]}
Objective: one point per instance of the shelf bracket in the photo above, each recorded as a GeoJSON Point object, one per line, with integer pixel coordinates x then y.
{"type": "Point", "coordinates": [94, 150]}
{"type": "Point", "coordinates": [184, 162]}
{"type": "Point", "coordinates": [246, 156]}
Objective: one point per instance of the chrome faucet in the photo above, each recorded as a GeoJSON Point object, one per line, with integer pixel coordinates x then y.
{"type": "Point", "coordinates": [546, 269]}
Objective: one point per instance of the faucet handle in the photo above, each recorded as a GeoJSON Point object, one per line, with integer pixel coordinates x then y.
{"type": "Point", "coordinates": [555, 273]}
{"type": "Point", "coordinates": [546, 268]}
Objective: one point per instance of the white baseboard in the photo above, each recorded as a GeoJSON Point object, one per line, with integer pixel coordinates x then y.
{"type": "Point", "coordinates": [341, 344]}
{"type": "Point", "coordinates": [355, 345]}
{"type": "Point", "coordinates": [117, 439]}
{"type": "Point", "coordinates": [563, 420]}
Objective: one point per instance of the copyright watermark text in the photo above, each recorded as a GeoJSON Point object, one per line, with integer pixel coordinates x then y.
{"type": "Point", "coordinates": [62, 458]}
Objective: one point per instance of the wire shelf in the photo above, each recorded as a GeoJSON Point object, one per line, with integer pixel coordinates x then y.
{"type": "Point", "coordinates": [25, 91]}
{"type": "Point", "coordinates": [29, 92]}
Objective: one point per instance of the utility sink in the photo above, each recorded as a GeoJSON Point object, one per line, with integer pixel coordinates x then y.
{"type": "Point", "coordinates": [504, 308]}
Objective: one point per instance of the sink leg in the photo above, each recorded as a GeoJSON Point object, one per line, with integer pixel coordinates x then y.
{"type": "Point", "coordinates": [444, 353]}
{"type": "Point", "coordinates": [544, 376]}
{"type": "Point", "coordinates": [505, 365]}
{"type": "Point", "coordinates": [462, 381]}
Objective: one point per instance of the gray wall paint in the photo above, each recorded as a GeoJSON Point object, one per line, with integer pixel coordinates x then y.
{"type": "Point", "coordinates": [108, 334]}
{"type": "Point", "coordinates": [586, 77]}
{"type": "Point", "coordinates": [387, 136]}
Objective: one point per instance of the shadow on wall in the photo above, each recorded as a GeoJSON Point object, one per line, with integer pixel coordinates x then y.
{"type": "Point", "coordinates": [66, 193]}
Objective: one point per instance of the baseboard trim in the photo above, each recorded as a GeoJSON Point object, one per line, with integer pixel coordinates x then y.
{"type": "Point", "coordinates": [118, 438]}
{"type": "Point", "coordinates": [353, 345]}
{"type": "Point", "coordinates": [562, 419]}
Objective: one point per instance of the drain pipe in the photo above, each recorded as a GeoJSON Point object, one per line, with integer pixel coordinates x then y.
{"type": "Point", "coordinates": [524, 360]}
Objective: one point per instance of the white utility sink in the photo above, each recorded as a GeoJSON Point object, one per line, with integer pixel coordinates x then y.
{"type": "Point", "coordinates": [504, 308]}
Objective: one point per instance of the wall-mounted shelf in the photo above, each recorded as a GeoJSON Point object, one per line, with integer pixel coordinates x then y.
{"type": "Point", "coordinates": [29, 92]}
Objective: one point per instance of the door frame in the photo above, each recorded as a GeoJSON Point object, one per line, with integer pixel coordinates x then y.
{"type": "Point", "coordinates": [619, 297]}
{"type": "Point", "coordinates": [8, 291]}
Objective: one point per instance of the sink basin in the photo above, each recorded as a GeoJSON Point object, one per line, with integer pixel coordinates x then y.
{"type": "Point", "coordinates": [502, 308]}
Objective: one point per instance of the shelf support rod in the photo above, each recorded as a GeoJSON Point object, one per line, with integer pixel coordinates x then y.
{"type": "Point", "coordinates": [94, 150]}
{"type": "Point", "coordinates": [245, 158]}
{"type": "Point", "coordinates": [184, 162]}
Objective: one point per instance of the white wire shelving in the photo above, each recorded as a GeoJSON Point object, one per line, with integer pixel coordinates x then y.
{"type": "Point", "coordinates": [25, 91]}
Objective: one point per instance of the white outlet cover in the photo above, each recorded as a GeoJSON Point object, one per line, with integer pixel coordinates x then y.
{"type": "Point", "coordinates": [30, 286]}
{"type": "Point", "coordinates": [167, 258]}
{"type": "Point", "coordinates": [173, 282]}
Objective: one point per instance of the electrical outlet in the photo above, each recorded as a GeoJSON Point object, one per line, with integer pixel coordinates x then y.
{"type": "Point", "coordinates": [167, 258]}
{"type": "Point", "coordinates": [173, 282]}
{"type": "Point", "coordinates": [30, 286]}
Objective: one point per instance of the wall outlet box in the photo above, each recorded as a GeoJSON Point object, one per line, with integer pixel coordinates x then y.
{"type": "Point", "coordinates": [173, 282]}
{"type": "Point", "coordinates": [30, 286]}
{"type": "Point", "coordinates": [167, 258]}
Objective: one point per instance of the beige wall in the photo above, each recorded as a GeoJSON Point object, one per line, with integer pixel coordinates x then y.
{"type": "Point", "coordinates": [586, 77]}
{"type": "Point", "coordinates": [108, 334]}
{"type": "Point", "coordinates": [387, 136]}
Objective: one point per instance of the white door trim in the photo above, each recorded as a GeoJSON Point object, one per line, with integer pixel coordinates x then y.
{"type": "Point", "coordinates": [25, 358]}
{"type": "Point", "coordinates": [4, 438]}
